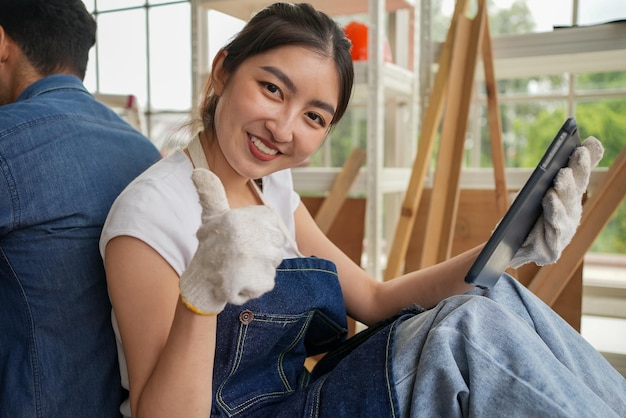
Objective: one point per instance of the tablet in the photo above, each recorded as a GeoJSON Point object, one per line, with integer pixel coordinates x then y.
{"type": "Point", "coordinates": [517, 222]}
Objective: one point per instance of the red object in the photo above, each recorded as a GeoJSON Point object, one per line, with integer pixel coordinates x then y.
{"type": "Point", "coordinates": [356, 32]}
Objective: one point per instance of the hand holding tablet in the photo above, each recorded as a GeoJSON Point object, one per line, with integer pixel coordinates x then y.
{"type": "Point", "coordinates": [543, 218]}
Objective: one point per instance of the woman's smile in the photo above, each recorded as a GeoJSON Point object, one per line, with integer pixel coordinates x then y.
{"type": "Point", "coordinates": [261, 150]}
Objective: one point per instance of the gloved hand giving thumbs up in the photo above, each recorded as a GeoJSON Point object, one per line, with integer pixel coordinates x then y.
{"type": "Point", "coordinates": [238, 251]}
{"type": "Point", "coordinates": [562, 208]}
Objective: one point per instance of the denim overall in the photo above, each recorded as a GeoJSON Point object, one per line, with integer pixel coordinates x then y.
{"type": "Point", "coordinates": [262, 345]}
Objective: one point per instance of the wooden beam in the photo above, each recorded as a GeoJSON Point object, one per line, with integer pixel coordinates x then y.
{"type": "Point", "coordinates": [430, 125]}
{"type": "Point", "coordinates": [444, 202]}
{"type": "Point", "coordinates": [495, 123]}
{"type": "Point", "coordinates": [338, 193]}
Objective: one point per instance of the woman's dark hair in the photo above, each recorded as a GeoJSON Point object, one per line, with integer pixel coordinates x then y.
{"type": "Point", "coordinates": [54, 35]}
{"type": "Point", "coordinates": [284, 24]}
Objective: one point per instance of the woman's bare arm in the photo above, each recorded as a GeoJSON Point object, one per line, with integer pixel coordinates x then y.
{"type": "Point", "coordinates": [368, 300]}
{"type": "Point", "coordinates": [169, 350]}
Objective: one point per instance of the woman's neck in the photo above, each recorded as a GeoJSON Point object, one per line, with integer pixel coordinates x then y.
{"type": "Point", "coordinates": [239, 190]}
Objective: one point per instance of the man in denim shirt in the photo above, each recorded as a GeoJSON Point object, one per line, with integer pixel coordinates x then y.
{"type": "Point", "coordinates": [64, 158]}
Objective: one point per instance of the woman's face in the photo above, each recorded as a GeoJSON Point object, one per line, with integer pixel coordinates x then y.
{"type": "Point", "coordinates": [275, 110]}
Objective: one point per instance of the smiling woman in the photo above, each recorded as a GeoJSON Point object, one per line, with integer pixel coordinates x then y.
{"type": "Point", "coordinates": [273, 94]}
{"type": "Point", "coordinates": [221, 289]}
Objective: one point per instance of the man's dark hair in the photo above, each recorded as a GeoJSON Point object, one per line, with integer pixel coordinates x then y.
{"type": "Point", "coordinates": [54, 35]}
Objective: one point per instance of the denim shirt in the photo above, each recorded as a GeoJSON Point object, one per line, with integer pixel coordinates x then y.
{"type": "Point", "coordinates": [64, 158]}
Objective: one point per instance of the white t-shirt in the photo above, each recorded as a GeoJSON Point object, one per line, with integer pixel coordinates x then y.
{"type": "Point", "coordinates": [161, 208]}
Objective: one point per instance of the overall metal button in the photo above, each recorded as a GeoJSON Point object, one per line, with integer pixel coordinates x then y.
{"type": "Point", "coordinates": [246, 317]}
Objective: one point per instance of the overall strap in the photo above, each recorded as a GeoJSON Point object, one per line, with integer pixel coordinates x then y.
{"type": "Point", "coordinates": [198, 159]}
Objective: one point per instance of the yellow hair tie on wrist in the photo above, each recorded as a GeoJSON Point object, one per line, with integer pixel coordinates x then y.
{"type": "Point", "coordinates": [194, 309]}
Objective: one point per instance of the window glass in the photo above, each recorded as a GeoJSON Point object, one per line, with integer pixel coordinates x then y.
{"type": "Point", "coordinates": [90, 75]}
{"type": "Point", "coordinates": [604, 119]}
{"type": "Point", "coordinates": [168, 131]}
{"type": "Point", "coordinates": [221, 27]}
{"type": "Point", "coordinates": [527, 129]}
{"type": "Point", "coordinates": [611, 239]}
{"type": "Point", "coordinates": [614, 80]}
{"type": "Point", "coordinates": [546, 14]}
{"type": "Point", "coordinates": [507, 16]}
{"type": "Point", "coordinates": [89, 4]}
{"type": "Point", "coordinates": [118, 4]}
{"type": "Point", "coordinates": [592, 12]}
{"type": "Point", "coordinates": [522, 16]}
{"type": "Point", "coordinates": [170, 57]}
{"type": "Point", "coordinates": [122, 54]}
{"type": "Point", "coordinates": [350, 132]}
{"type": "Point", "coordinates": [529, 86]}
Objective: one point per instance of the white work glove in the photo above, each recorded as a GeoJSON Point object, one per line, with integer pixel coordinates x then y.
{"type": "Point", "coordinates": [562, 208]}
{"type": "Point", "coordinates": [238, 251]}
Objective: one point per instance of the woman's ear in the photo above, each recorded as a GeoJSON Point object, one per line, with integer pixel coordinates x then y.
{"type": "Point", "coordinates": [218, 75]}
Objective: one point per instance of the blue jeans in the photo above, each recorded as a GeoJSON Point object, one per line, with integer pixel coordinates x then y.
{"type": "Point", "coordinates": [501, 353]}
{"type": "Point", "coordinates": [504, 353]}
{"type": "Point", "coordinates": [64, 158]}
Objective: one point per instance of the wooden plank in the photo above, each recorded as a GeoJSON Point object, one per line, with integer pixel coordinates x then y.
{"type": "Point", "coordinates": [430, 124]}
{"type": "Point", "coordinates": [476, 218]}
{"type": "Point", "coordinates": [339, 190]}
{"type": "Point", "coordinates": [347, 232]}
{"type": "Point", "coordinates": [569, 304]}
{"type": "Point", "coordinates": [444, 202]}
{"type": "Point", "coordinates": [597, 210]}
{"type": "Point", "coordinates": [495, 123]}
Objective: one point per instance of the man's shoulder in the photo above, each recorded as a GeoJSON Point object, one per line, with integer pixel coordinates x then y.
{"type": "Point", "coordinates": [56, 99]}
